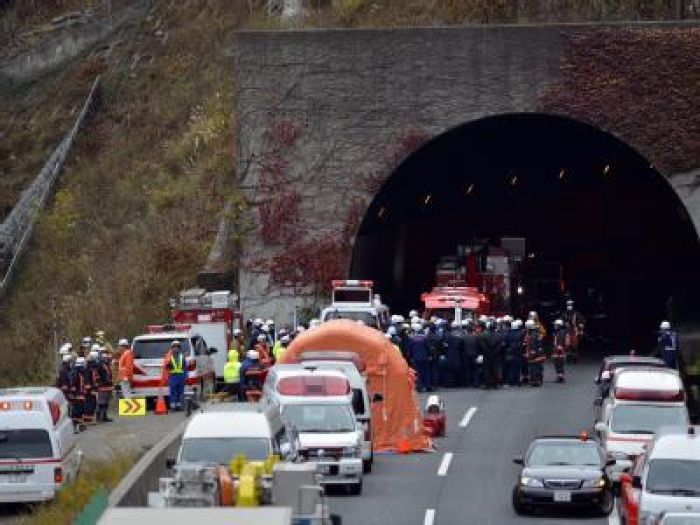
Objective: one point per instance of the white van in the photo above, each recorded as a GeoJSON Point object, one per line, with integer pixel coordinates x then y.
{"type": "Point", "coordinates": [221, 436]}
{"type": "Point", "coordinates": [317, 404]}
{"type": "Point", "coordinates": [642, 400]}
{"type": "Point", "coordinates": [38, 452]}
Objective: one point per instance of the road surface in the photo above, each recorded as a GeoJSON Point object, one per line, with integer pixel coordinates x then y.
{"type": "Point", "coordinates": [468, 480]}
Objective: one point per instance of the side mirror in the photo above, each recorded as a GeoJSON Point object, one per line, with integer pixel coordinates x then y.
{"type": "Point", "coordinates": [601, 427]}
{"type": "Point", "coordinates": [636, 482]}
{"type": "Point", "coordinates": [170, 463]}
{"type": "Point", "coordinates": [518, 460]}
{"type": "Point", "coordinates": [610, 462]}
{"type": "Point", "coordinates": [598, 402]}
{"type": "Point", "coordinates": [213, 350]}
{"type": "Point", "coordinates": [285, 449]}
{"type": "Point", "coordinates": [376, 398]}
{"type": "Point", "coordinates": [625, 478]}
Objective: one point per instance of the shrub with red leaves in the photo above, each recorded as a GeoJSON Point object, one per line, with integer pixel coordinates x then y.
{"type": "Point", "coordinates": [642, 84]}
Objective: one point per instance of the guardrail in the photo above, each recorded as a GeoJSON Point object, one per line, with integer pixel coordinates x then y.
{"type": "Point", "coordinates": [17, 228]}
{"type": "Point", "coordinates": [133, 490]}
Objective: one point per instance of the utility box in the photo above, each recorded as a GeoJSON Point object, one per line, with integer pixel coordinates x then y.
{"type": "Point", "coordinates": [289, 487]}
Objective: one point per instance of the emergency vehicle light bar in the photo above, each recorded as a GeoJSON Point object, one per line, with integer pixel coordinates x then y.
{"type": "Point", "coordinates": [638, 394]}
{"type": "Point", "coordinates": [352, 282]}
{"type": "Point", "coordinates": [313, 386]}
{"type": "Point", "coordinates": [161, 328]}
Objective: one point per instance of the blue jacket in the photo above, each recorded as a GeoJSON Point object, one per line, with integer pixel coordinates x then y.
{"type": "Point", "coordinates": [417, 347]}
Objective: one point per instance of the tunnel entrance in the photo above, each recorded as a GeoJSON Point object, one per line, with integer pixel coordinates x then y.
{"type": "Point", "coordinates": [583, 201]}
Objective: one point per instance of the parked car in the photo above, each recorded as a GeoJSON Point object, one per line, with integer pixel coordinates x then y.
{"type": "Point", "coordinates": [563, 471]}
{"type": "Point", "coordinates": [664, 478]}
{"type": "Point", "coordinates": [38, 447]}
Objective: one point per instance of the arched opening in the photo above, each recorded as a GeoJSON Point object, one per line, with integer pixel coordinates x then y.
{"type": "Point", "coordinates": [585, 204]}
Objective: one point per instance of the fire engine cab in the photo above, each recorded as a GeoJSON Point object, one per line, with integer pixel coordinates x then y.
{"type": "Point", "coordinates": [355, 300]}
{"type": "Point", "coordinates": [212, 315]}
{"type": "Point", "coordinates": [454, 303]}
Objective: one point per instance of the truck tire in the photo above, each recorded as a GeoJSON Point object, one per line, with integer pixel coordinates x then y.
{"type": "Point", "coordinates": [367, 465]}
{"type": "Point", "coordinates": [356, 489]}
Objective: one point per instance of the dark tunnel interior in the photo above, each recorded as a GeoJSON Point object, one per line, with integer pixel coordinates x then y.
{"type": "Point", "coordinates": [580, 197]}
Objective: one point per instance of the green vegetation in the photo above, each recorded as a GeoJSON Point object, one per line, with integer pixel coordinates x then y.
{"type": "Point", "coordinates": [139, 201]}
{"type": "Point", "coordinates": [71, 500]}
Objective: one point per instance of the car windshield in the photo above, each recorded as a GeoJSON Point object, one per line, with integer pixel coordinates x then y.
{"type": "Point", "coordinates": [367, 318]}
{"type": "Point", "coordinates": [156, 348]}
{"type": "Point", "coordinates": [320, 418]}
{"type": "Point", "coordinates": [674, 476]}
{"type": "Point", "coordinates": [223, 450]}
{"type": "Point", "coordinates": [25, 444]}
{"type": "Point", "coordinates": [645, 419]}
{"type": "Point", "coordinates": [575, 453]}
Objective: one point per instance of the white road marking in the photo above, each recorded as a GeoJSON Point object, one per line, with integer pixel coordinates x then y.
{"type": "Point", "coordinates": [445, 464]}
{"type": "Point", "coordinates": [467, 417]}
{"type": "Point", "coordinates": [429, 517]}
{"type": "Point", "coordinates": [614, 516]}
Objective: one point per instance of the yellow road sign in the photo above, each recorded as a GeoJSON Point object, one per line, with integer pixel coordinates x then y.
{"type": "Point", "coordinates": [132, 407]}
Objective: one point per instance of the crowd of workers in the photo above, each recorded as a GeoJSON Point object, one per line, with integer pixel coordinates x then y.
{"type": "Point", "coordinates": [486, 352]}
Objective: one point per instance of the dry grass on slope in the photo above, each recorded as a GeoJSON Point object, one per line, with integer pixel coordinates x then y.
{"type": "Point", "coordinates": [138, 203]}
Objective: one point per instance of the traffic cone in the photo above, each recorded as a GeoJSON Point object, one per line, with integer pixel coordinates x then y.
{"type": "Point", "coordinates": [403, 446]}
{"type": "Point", "coordinates": [161, 407]}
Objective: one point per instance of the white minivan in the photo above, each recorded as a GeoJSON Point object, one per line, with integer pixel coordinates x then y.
{"type": "Point", "coordinates": [38, 452]}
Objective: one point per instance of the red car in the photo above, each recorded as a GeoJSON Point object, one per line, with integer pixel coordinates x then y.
{"type": "Point", "coordinates": [629, 494]}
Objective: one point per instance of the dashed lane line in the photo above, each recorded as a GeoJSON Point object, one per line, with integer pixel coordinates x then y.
{"type": "Point", "coordinates": [429, 517]}
{"type": "Point", "coordinates": [614, 516]}
{"type": "Point", "coordinates": [467, 417]}
{"type": "Point", "coordinates": [445, 464]}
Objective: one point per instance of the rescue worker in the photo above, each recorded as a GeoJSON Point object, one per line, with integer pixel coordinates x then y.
{"type": "Point", "coordinates": [278, 344]}
{"type": "Point", "coordinates": [518, 342]}
{"type": "Point", "coordinates": [105, 385]}
{"type": "Point", "coordinates": [272, 332]}
{"type": "Point", "coordinates": [63, 379]}
{"type": "Point", "coordinates": [262, 348]}
{"type": "Point", "coordinates": [126, 368]}
{"type": "Point", "coordinates": [255, 332]}
{"type": "Point", "coordinates": [280, 349]}
{"type": "Point", "coordinates": [489, 359]}
{"type": "Point", "coordinates": [470, 346]}
{"type": "Point", "coordinates": [237, 343]}
{"type": "Point", "coordinates": [534, 352]}
{"type": "Point", "coordinates": [454, 354]}
{"type": "Point", "coordinates": [668, 345]}
{"type": "Point", "coordinates": [418, 352]}
{"type": "Point", "coordinates": [575, 325]}
{"type": "Point", "coordinates": [232, 375]}
{"type": "Point", "coordinates": [561, 341]}
{"type": "Point", "coordinates": [541, 330]}
{"type": "Point", "coordinates": [511, 357]}
{"type": "Point", "coordinates": [177, 374]}
{"type": "Point", "coordinates": [77, 381]}
{"type": "Point", "coordinates": [249, 371]}
{"type": "Point", "coordinates": [90, 385]}
{"type": "Point", "coordinates": [85, 346]}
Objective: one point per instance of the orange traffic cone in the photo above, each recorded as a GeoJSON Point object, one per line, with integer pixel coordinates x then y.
{"type": "Point", "coordinates": [161, 407]}
{"type": "Point", "coordinates": [403, 446]}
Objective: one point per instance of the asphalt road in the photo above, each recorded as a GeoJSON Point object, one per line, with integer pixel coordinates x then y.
{"type": "Point", "coordinates": [468, 480]}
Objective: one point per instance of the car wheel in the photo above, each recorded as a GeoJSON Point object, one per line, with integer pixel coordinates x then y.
{"type": "Point", "coordinates": [518, 506]}
{"type": "Point", "coordinates": [356, 489]}
{"type": "Point", "coordinates": [367, 466]}
{"type": "Point", "coordinates": [608, 503]}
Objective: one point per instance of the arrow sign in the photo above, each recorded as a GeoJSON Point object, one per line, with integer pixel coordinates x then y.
{"type": "Point", "coordinates": [132, 407]}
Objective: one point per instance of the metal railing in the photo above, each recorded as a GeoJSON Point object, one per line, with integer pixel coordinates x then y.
{"type": "Point", "coordinates": [17, 227]}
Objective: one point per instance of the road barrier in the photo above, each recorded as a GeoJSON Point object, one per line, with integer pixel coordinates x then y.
{"type": "Point", "coordinates": [133, 490]}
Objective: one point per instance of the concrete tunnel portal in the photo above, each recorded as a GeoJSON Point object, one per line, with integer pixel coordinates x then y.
{"type": "Point", "coordinates": [580, 197]}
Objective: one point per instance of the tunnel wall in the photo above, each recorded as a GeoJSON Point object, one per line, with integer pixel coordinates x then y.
{"type": "Point", "coordinates": [326, 115]}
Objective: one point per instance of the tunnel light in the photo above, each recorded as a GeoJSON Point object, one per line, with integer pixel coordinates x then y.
{"type": "Point", "coordinates": [606, 170]}
{"type": "Point", "coordinates": [427, 199]}
{"type": "Point", "coordinates": [381, 213]}
{"type": "Point", "coordinates": [470, 189]}
{"type": "Point", "coordinates": [521, 290]}
{"type": "Point", "coordinates": [562, 174]}
{"type": "Point", "coordinates": [513, 180]}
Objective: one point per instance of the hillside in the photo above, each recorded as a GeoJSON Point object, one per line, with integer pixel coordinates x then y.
{"type": "Point", "coordinates": [139, 201]}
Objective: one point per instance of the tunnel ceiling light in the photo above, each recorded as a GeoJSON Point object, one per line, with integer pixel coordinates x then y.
{"type": "Point", "coordinates": [513, 180]}
{"type": "Point", "coordinates": [381, 214]}
{"type": "Point", "coordinates": [470, 188]}
{"type": "Point", "coordinates": [427, 199]}
{"type": "Point", "coordinates": [562, 174]}
{"type": "Point", "coordinates": [606, 170]}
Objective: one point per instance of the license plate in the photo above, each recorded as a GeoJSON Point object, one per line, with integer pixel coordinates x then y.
{"type": "Point", "coordinates": [562, 496]}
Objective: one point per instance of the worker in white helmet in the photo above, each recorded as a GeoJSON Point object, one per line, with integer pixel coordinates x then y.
{"type": "Point", "coordinates": [250, 373]}
{"type": "Point", "coordinates": [418, 356]}
{"type": "Point", "coordinates": [561, 344]}
{"type": "Point", "coordinates": [668, 344]}
{"type": "Point", "coordinates": [534, 352]}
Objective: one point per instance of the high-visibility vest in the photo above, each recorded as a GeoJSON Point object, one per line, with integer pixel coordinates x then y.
{"type": "Point", "coordinates": [232, 372]}
{"type": "Point", "coordinates": [278, 350]}
{"type": "Point", "coordinates": [177, 368]}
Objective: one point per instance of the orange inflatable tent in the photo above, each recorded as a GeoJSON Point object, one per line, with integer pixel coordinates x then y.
{"type": "Point", "coordinates": [397, 425]}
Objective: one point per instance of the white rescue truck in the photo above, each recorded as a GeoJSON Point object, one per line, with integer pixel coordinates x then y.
{"type": "Point", "coordinates": [355, 300]}
{"type": "Point", "coordinates": [38, 452]}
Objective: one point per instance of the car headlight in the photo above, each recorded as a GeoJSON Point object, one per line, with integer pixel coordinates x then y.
{"type": "Point", "coordinates": [350, 452]}
{"type": "Point", "coordinates": [595, 483]}
{"type": "Point", "coordinates": [531, 482]}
